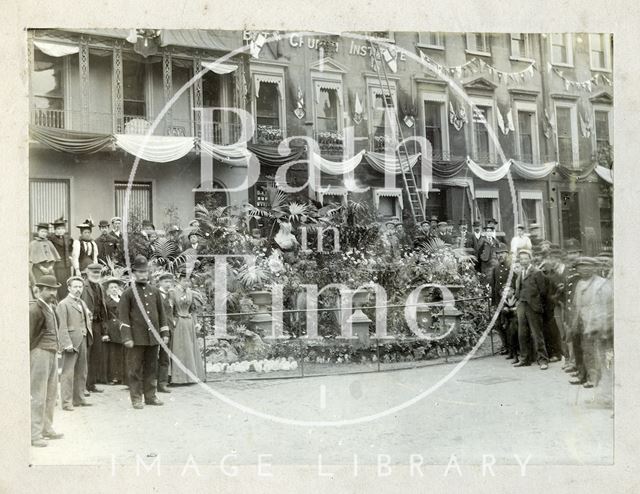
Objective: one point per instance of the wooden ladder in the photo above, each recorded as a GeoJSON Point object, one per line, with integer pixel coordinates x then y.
{"type": "Point", "coordinates": [414, 198]}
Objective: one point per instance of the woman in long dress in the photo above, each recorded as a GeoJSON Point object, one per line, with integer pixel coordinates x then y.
{"type": "Point", "coordinates": [185, 344]}
{"type": "Point", "coordinates": [114, 349]}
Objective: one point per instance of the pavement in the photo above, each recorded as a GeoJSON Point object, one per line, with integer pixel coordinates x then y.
{"type": "Point", "coordinates": [485, 407]}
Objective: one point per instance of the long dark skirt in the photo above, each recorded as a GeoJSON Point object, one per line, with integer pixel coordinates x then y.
{"type": "Point", "coordinates": [115, 362]}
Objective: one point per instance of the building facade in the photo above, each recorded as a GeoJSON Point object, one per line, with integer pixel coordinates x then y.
{"type": "Point", "coordinates": [545, 98]}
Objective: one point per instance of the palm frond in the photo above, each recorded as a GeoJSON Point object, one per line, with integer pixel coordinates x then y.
{"type": "Point", "coordinates": [432, 245]}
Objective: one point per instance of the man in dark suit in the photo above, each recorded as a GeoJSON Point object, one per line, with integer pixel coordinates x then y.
{"type": "Point", "coordinates": [44, 346]}
{"type": "Point", "coordinates": [116, 236]}
{"type": "Point", "coordinates": [93, 297]}
{"type": "Point", "coordinates": [75, 330]}
{"type": "Point", "coordinates": [530, 292]}
{"type": "Point", "coordinates": [107, 244]}
{"type": "Point", "coordinates": [139, 336]}
{"type": "Point", "coordinates": [165, 285]}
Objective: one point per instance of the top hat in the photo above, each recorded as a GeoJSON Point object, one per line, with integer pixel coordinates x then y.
{"type": "Point", "coordinates": [103, 223]}
{"type": "Point", "coordinates": [48, 281]}
{"type": "Point", "coordinates": [42, 226]}
{"type": "Point", "coordinates": [572, 245]}
{"type": "Point", "coordinates": [139, 263]}
{"type": "Point", "coordinates": [59, 222]}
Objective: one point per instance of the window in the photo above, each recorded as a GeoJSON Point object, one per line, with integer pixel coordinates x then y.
{"type": "Point", "coordinates": [567, 134]}
{"type": "Point", "coordinates": [431, 40]}
{"type": "Point", "coordinates": [388, 203]}
{"type": "Point", "coordinates": [47, 83]}
{"type": "Point", "coordinates": [605, 203]}
{"type": "Point", "coordinates": [332, 195]}
{"type": "Point", "coordinates": [602, 128]}
{"type": "Point", "coordinates": [268, 104]}
{"type": "Point", "coordinates": [140, 205]}
{"type": "Point", "coordinates": [488, 204]}
{"type": "Point", "coordinates": [478, 43]}
{"type": "Point", "coordinates": [49, 198]}
{"type": "Point", "coordinates": [481, 141]}
{"type": "Point", "coordinates": [386, 36]}
{"type": "Point", "coordinates": [562, 49]}
{"type": "Point", "coordinates": [435, 124]}
{"type": "Point", "coordinates": [327, 110]}
{"type": "Point", "coordinates": [212, 98]}
{"type": "Point", "coordinates": [133, 89]}
{"type": "Point", "coordinates": [600, 50]}
{"type": "Point", "coordinates": [181, 73]}
{"type": "Point", "coordinates": [531, 209]}
{"type": "Point", "coordinates": [520, 46]}
{"type": "Point", "coordinates": [527, 129]}
{"type": "Point", "coordinates": [380, 100]}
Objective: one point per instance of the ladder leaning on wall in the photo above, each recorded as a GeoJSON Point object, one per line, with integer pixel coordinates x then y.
{"type": "Point", "coordinates": [414, 199]}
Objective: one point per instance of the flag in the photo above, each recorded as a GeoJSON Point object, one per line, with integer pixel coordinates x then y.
{"type": "Point", "coordinates": [510, 121]}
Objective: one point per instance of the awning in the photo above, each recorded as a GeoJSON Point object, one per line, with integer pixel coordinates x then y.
{"type": "Point", "coordinates": [56, 49]}
{"type": "Point", "coordinates": [203, 39]}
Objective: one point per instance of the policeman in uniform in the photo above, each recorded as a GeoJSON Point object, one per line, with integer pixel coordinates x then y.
{"type": "Point", "coordinates": [165, 285]}
{"type": "Point", "coordinates": [498, 282]}
{"type": "Point", "coordinates": [141, 321]}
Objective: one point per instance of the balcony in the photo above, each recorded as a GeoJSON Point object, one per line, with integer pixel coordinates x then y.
{"type": "Point", "coordinates": [105, 123]}
{"type": "Point", "coordinates": [268, 135]}
{"type": "Point", "coordinates": [330, 142]}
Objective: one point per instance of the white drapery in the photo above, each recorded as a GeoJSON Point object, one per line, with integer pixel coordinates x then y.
{"type": "Point", "coordinates": [387, 164]}
{"type": "Point", "coordinates": [605, 174]}
{"type": "Point", "coordinates": [335, 167]}
{"type": "Point", "coordinates": [56, 49]}
{"type": "Point", "coordinates": [159, 149]}
{"type": "Point", "coordinates": [525, 170]}
{"type": "Point", "coordinates": [219, 67]}
{"type": "Point", "coordinates": [234, 154]}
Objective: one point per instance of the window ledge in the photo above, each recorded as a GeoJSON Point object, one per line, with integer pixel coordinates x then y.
{"type": "Point", "coordinates": [478, 53]}
{"type": "Point", "coordinates": [603, 69]}
{"type": "Point", "coordinates": [562, 64]}
{"type": "Point", "coordinates": [521, 59]}
{"type": "Point", "coordinates": [430, 47]}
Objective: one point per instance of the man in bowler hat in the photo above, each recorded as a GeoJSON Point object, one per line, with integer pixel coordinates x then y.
{"type": "Point", "coordinates": [143, 317]}
{"type": "Point", "coordinates": [44, 346]}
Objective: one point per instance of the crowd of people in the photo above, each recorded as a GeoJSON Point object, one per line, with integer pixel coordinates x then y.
{"type": "Point", "coordinates": [107, 329]}
{"type": "Point", "coordinates": [555, 305]}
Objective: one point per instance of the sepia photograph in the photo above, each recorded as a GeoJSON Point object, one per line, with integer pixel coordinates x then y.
{"type": "Point", "coordinates": [252, 248]}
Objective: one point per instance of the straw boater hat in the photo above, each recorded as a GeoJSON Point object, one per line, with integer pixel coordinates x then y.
{"type": "Point", "coordinates": [586, 261]}
{"type": "Point", "coordinates": [74, 278]}
{"type": "Point", "coordinates": [49, 281]}
{"type": "Point", "coordinates": [526, 251]}
{"type": "Point", "coordinates": [115, 218]}
{"type": "Point", "coordinates": [166, 276]}
{"type": "Point", "coordinates": [174, 228]}
{"type": "Point", "coordinates": [112, 279]}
